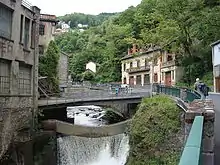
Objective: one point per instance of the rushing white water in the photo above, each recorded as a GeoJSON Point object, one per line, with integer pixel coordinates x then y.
{"type": "Point", "coordinates": [74, 150]}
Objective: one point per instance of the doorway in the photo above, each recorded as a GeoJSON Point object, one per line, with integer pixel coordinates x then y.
{"type": "Point", "coordinates": [168, 78]}
{"type": "Point", "coordinates": [131, 80]}
{"type": "Point", "coordinates": [217, 84]}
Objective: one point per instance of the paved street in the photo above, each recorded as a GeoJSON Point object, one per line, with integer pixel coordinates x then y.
{"type": "Point", "coordinates": [216, 100]}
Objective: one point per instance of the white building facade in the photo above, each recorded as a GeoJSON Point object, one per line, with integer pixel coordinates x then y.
{"type": "Point", "coordinates": [216, 65]}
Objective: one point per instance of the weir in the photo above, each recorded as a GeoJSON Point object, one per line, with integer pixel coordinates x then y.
{"type": "Point", "coordinates": [112, 150]}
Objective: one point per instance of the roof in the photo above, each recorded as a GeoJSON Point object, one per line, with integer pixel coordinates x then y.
{"type": "Point", "coordinates": [142, 54]}
{"type": "Point", "coordinates": [215, 43]}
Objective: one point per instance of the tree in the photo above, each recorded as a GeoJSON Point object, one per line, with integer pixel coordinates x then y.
{"type": "Point", "coordinates": [48, 66]}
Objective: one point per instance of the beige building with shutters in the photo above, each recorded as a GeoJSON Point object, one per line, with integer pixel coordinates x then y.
{"type": "Point", "coordinates": [149, 65]}
{"type": "Point", "coordinates": [19, 29]}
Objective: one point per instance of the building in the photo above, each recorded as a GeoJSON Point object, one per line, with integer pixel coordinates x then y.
{"type": "Point", "coordinates": [216, 65]}
{"type": "Point", "coordinates": [19, 29]}
{"type": "Point", "coordinates": [47, 30]}
{"type": "Point", "coordinates": [91, 66]}
{"type": "Point", "coordinates": [149, 65]}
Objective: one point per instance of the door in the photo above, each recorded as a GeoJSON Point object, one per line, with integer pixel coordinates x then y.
{"type": "Point", "coordinates": [131, 80]}
{"type": "Point", "coordinates": [146, 79]}
{"type": "Point", "coordinates": [155, 78]}
{"type": "Point", "coordinates": [138, 81]}
{"type": "Point", "coordinates": [217, 83]}
{"type": "Point", "coordinates": [168, 78]}
{"type": "Point", "coordinates": [125, 81]}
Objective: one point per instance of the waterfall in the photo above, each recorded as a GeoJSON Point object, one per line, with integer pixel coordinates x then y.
{"type": "Point", "coordinates": [111, 150]}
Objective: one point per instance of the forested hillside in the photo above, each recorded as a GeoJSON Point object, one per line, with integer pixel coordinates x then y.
{"type": "Point", "coordinates": [187, 27]}
{"type": "Point", "coordinates": [85, 19]}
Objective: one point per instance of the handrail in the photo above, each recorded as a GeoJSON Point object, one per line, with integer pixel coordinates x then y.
{"type": "Point", "coordinates": [192, 149]}
{"type": "Point", "coordinates": [185, 94]}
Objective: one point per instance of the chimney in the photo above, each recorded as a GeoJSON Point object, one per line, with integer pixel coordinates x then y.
{"type": "Point", "coordinates": [134, 49]}
{"type": "Point", "coordinates": [129, 51]}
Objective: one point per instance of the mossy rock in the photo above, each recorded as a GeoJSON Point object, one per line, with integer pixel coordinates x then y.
{"type": "Point", "coordinates": [154, 133]}
{"type": "Point", "coordinates": [112, 117]}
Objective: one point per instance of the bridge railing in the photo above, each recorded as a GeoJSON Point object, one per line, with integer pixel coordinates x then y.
{"type": "Point", "coordinates": [191, 154]}
{"type": "Point", "coordinates": [185, 94]}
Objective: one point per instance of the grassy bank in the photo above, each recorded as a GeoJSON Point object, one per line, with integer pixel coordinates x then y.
{"type": "Point", "coordinates": [154, 133]}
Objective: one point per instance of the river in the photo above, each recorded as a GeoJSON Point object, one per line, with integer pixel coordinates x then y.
{"type": "Point", "coordinates": [74, 150]}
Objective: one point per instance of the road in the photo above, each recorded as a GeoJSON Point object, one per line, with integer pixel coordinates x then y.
{"type": "Point", "coordinates": [216, 100]}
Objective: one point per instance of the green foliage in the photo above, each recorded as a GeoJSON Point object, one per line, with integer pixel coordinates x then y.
{"type": "Point", "coordinates": [182, 26]}
{"type": "Point", "coordinates": [48, 66]}
{"type": "Point", "coordinates": [85, 19]}
{"type": "Point", "coordinates": [88, 76]}
{"type": "Point", "coordinates": [152, 130]}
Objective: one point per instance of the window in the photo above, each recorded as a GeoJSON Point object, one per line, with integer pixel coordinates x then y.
{"type": "Point", "coordinates": [5, 21]}
{"type": "Point", "coordinates": [173, 76]}
{"type": "Point", "coordinates": [131, 64]}
{"type": "Point", "coordinates": [124, 66]}
{"type": "Point", "coordinates": [41, 29]}
{"type": "Point", "coordinates": [24, 79]}
{"type": "Point", "coordinates": [26, 32]}
{"type": "Point", "coordinates": [138, 63]}
{"type": "Point", "coordinates": [169, 58]}
{"type": "Point", "coordinates": [32, 35]}
{"type": "Point", "coordinates": [4, 76]}
{"type": "Point", "coordinates": [21, 28]}
{"type": "Point", "coordinates": [41, 49]}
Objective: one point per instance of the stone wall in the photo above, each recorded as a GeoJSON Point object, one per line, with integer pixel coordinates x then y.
{"type": "Point", "coordinates": [63, 68]}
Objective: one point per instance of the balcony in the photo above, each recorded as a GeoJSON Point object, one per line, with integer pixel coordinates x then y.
{"type": "Point", "coordinates": [138, 69]}
{"type": "Point", "coordinates": [168, 64]}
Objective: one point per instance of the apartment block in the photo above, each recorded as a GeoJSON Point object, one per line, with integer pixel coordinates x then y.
{"type": "Point", "coordinates": [150, 65]}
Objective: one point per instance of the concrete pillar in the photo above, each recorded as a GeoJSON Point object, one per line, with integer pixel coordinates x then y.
{"type": "Point", "coordinates": [135, 79]}
{"type": "Point", "coordinates": [142, 79]}
{"type": "Point", "coordinates": [206, 109]}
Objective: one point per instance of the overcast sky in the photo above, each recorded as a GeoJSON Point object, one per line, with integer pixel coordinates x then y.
{"type": "Point", "coordinates": [62, 7]}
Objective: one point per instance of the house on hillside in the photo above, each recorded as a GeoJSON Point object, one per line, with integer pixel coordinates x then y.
{"type": "Point", "coordinates": [92, 66]}
{"type": "Point", "coordinates": [47, 29]}
{"type": "Point", "coordinates": [150, 65]}
{"type": "Point", "coordinates": [216, 65]}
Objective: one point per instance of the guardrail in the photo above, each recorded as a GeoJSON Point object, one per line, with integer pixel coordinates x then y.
{"type": "Point", "coordinates": [185, 94]}
{"type": "Point", "coordinates": [192, 151]}
{"type": "Point", "coordinates": [27, 4]}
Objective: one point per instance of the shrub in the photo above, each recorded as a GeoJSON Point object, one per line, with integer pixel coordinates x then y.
{"type": "Point", "coordinates": [152, 133]}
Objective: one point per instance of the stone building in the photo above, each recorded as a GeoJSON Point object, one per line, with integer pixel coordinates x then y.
{"type": "Point", "coordinates": [47, 29]}
{"type": "Point", "coordinates": [150, 65]}
{"type": "Point", "coordinates": [19, 29]}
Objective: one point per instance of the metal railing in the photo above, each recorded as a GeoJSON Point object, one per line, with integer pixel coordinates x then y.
{"type": "Point", "coordinates": [26, 4]}
{"type": "Point", "coordinates": [137, 69]}
{"type": "Point", "coordinates": [184, 94]}
{"type": "Point", "coordinates": [192, 150]}
{"type": "Point", "coordinates": [168, 64]}
{"type": "Point", "coordinates": [92, 95]}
